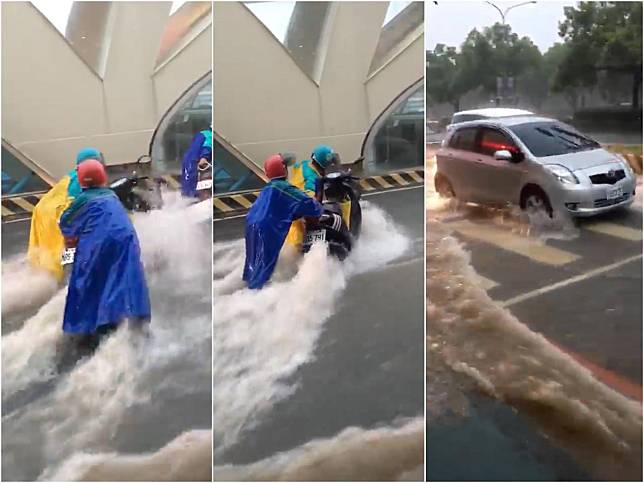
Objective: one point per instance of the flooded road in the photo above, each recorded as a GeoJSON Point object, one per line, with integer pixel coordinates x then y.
{"type": "Point", "coordinates": [134, 394]}
{"type": "Point", "coordinates": [309, 381]}
{"type": "Point", "coordinates": [534, 344]}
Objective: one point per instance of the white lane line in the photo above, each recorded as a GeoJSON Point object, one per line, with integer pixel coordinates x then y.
{"type": "Point", "coordinates": [486, 283]}
{"type": "Point", "coordinates": [616, 230]}
{"type": "Point", "coordinates": [569, 281]}
{"type": "Point", "coordinates": [534, 249]}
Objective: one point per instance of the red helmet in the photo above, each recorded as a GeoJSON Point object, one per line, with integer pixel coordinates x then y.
{"type": "Point", "coordinates": [274, 167]}
{"type": "Point", "coordinates": [91, 173]}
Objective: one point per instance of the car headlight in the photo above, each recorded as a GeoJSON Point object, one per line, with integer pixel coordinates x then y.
{"type": "Point", "coordinates": [626, 165]}
{"type": "Point", "coordinates": [564, 175]}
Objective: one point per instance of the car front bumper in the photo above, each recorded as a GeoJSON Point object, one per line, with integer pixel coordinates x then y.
{"type": "Point", "coordinates": [583, 200]}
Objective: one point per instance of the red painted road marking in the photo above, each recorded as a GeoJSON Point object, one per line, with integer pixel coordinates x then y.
{"type": "Point", "coordinates": [617, 382]}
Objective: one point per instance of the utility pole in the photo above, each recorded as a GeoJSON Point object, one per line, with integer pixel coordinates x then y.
{"type": "Point", "coordinates": [504, 13]}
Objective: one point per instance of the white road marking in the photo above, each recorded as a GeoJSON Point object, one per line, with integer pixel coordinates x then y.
{"type": "Point", "coordinates": [578, 278]}
{"type": "Point", "coordinates": [614, 229]}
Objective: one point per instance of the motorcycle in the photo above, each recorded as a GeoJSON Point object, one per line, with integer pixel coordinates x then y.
{"type": "Point", "coordinates": [340, 224]}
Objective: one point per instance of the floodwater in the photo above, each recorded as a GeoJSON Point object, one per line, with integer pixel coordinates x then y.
{"type": "Point", "coordinates": [135, 393]}
{"type": "Point", "coordinates": [484, 366]}
{"type": "Point", "coordinates": [263, 337]}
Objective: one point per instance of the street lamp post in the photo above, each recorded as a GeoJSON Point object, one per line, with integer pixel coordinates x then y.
{"type": "Point", "coordinates": [504, 14]}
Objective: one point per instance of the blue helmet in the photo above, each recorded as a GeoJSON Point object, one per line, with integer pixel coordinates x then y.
{"type": "Point", "coordinates": [324, 155]}
{"type": "Point", "coordinates": [89, 153]}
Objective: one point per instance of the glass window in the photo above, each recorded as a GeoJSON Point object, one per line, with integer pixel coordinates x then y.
{"type": "Point", "coordinates": [396, 140]}
{"type": "Point", "coordinates": [464, 139]}
{"type": "Point", "coordinates": [299, 27]}
{"type": "Point", "coordinates": [493, 140]}
{"type": "Point", "coordinates": [552, 138]}
{"type": "Point", "coordinates": [18, 178]}
{"type": "Point", "coordinates": [85, 26]}
{"type": "Point", "coordinates": [190, 114]}
{"type": "Point", "coordinates": [186, 20]}
{"type": "Point", "coordinates": [403, 21]}
{"type": "Point", "coordinates": [233, 172]}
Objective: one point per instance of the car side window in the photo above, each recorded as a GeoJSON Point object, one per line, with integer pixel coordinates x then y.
{"type": "Point", "coordinates": [493, 140]}
{"type": "Point", "coordinates": [463, 139]}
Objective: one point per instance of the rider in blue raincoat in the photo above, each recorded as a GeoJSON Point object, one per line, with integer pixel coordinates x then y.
{"type": "Point", "coordinates": [107, 282]}
{"type": "Point", "coordinates": [269, 219]}
{"type": "Point", "coordinates": [198, 154]}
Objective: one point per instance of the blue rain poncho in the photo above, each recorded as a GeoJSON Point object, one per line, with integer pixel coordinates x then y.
{"type": "Point", "coordinates": [107, 282]}
{"type": "Point", "coordinates": [268, 222]}
{"type": "Point", "coordinates": [201, 147]}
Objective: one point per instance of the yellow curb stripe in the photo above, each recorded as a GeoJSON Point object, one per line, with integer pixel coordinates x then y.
{"type": "Point", "coordinates": [6, 211]}
{"type": "Point", "coordinates": [381, 181]}
{"type": "Point", "coordinates": [415, 177]}
{"type": "Point", "coordinates": [24, 204]}
{"type": "Point", "coordinates": [242, 201]}
{"type": "Point", "coordinates": [221, 206]}
{"type": "Point", "coordinates": [366, 186]}
{"type": "Point", "coordinates": [399, 179]}
{"type": "Point", "coordinates": [172, 182]}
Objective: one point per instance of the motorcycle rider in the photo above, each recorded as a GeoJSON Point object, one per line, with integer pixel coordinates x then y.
{"type": "Point", "coordinates": [107, 282]}
{"type": "Point", "coordinates": [198, 155]}
{"type": "Point", "coordinates": [269, 220]}
{"type": "Point", "coordinates": [305, 174]}
{"type": "Point", "coordinates": [45, 240]}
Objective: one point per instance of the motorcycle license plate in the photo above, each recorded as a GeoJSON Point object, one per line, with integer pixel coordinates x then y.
{"type": "Point", "coordinates": [614, 193]}
{"type": "Point", "coordinates": [314, 237]}
{"type": "Point", "coordinates": [68, 256]}
{"type": "Point", "coordinates": [204, 184]}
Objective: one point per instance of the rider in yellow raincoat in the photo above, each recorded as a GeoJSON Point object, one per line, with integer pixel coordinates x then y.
{"type": "Point", "coordinates": [46, 242]}
{"type": "Point", "coordinates": [304, 175]}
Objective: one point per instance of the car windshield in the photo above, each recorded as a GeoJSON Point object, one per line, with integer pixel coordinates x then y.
{"type": "Point", "coordinates": [552, 138]}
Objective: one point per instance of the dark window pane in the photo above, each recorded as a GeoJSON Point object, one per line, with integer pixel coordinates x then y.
{"type": "Point", "coordinates": [18, 178]}
{"type": "Point", "coordinates": [399, 139]}
{"type": "Point", "coordinates": [231, 173]}
{"type": "Point", "coordinates": [463, 139]}
{"type": "Point", "coordinates": [191, 115]}
{"type": "Point", "coordinates": [493, 140]}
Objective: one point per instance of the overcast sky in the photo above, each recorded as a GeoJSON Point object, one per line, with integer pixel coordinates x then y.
{"type": "Point", "coordinates": [449, 22]}
{"type": "Point", "coordinates": [276, 15]}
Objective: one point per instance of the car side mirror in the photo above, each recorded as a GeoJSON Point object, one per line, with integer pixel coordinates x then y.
{"type": "Point", "coordinates": [503, 155]}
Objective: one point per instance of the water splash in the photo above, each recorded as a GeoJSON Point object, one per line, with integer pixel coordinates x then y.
{"type": "Point", "coordinates": [474, 337]}
{"type": "Point", "coordinates": [263, 336]}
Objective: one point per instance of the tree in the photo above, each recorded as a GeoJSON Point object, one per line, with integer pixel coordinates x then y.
{"type": "Point", "coordinates": [601, 36]}
{"type": "Point", "coordinates": [482, 57]}
{"type": "Point", "coordinates": [441, 74]}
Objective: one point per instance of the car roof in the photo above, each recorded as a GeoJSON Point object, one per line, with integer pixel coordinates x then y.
{"type": "Point", "coordinates": [495, 112]}
{"type": "Point", "coordinates": [503, 121]}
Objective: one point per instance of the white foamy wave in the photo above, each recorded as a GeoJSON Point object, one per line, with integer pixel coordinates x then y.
{"type": "Point", "coordinates": [153, 373]}
{"type": "Point", "coordinates": [24, 287]}
{"type": "Point", "coordinates": [186, 458]}
{"type": "Point", "coordinates": [355, 454]}
{"type": "Point", "coordinates": [29, 353]}
{"type": "Point", "coordinates": [263, 336]}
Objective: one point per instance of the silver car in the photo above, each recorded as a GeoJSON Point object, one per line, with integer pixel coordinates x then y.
{"type": "Point", "coordinates": [533, 162]}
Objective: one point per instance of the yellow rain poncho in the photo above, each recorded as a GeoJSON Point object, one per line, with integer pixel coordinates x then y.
{"type": "Point", "coordinates": [45, 239]}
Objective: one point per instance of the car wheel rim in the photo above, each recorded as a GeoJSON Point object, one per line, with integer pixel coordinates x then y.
{"type": "Point", "coordinates": [535, 203]}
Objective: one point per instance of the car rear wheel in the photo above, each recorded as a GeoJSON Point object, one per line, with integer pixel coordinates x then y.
{"type": "Point", "coordinates": [444, 187]}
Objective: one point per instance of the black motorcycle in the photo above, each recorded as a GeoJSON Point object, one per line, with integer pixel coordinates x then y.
{"type": "Point", "coordinates": [138, 193]}
{"type": "Point", "coordinates": [339, 228]}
